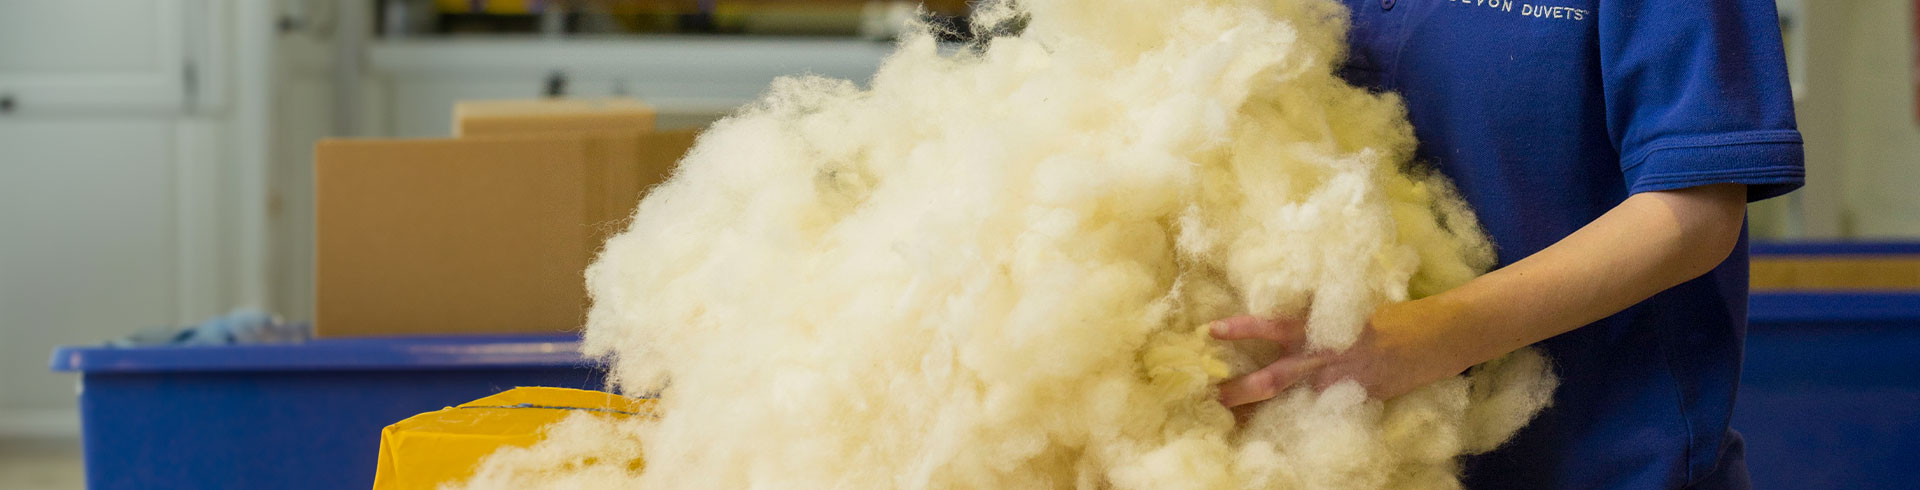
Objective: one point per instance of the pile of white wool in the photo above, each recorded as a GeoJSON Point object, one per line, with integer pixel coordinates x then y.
{"type": "Point", "coordinates": [992, 269]}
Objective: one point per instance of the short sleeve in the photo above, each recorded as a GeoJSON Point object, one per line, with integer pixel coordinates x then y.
{"type": "Point", "coordinates": [1697, 94]}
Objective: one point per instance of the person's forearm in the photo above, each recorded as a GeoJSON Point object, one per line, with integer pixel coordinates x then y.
{"type": "Point", "coordinates": [1650, 242]}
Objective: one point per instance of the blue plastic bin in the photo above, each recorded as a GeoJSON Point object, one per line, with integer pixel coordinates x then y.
{"type": "Point", "coordinates": [1830, 399]}
{"type": "Point", "coordinates": [304, 416]}
{"type": "Point", "coordinates": [1830, 396]}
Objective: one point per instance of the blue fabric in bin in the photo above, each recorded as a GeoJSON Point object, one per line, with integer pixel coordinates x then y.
{"type": "Point", "coordinates": [242, 326]}
{"type": "Point", "coordinates": [303, 416]}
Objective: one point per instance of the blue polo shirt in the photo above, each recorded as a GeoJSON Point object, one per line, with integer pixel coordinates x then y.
{"type": "Point", "coordinates": [1548, 113]}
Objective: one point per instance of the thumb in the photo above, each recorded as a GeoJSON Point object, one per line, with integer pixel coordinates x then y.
{"type": "Point", "coordinates": [1269, 381]}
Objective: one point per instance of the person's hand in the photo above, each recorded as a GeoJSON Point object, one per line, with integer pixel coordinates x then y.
{"type": "Point", "coordinates": [1404, 346]}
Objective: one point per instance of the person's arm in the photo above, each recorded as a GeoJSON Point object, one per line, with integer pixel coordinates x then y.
{"type": "Point", "coordinates": [1650, 242]}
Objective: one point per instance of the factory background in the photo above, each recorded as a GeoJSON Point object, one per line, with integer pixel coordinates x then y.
{"type": "Point", "coordinates": [157, 156]}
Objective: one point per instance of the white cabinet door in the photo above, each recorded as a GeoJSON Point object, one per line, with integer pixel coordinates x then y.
{"type": "Point", "coordinates": [73, 57]}
{"type": "Point", "coordinates": [105, 172]}
{"type": "Point", "coordinates": [88, 243]}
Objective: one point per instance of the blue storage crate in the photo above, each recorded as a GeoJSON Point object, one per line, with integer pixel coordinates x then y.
{"type": "Point", "coordinates": [287, 416]}
{"type": "Point", "coordinates": [1830, 399]}
{"type": "Point", "coordinates": [1830, 394]}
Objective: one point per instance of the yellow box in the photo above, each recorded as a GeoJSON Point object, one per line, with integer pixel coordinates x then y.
{"type": "Point", "coordinates": [428, 450]}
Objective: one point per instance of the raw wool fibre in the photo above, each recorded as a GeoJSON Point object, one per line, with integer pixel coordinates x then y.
{"type": "Point", "coordinates": [991, 270]}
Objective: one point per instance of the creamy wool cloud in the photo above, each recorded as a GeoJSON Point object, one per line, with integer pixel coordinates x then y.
{"type": "Point", "coordinates": [993, 268]}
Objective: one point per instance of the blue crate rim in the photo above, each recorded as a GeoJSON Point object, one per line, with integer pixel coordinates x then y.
{"type": "Point", "coordinates": [1767, 310]}
{"type": "Point", "coordinates": [1798, 308]}
{"type": "Point", "coordinates": [365, 354]}
{"type": "Point", "coordinates": [1768, 248]}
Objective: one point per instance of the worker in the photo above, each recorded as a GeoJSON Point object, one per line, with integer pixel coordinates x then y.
{"type": "Point", "coordinates": [1610, 148]}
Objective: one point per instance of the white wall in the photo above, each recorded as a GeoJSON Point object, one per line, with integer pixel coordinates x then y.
{"type": "Point", "coordinates": [1855, 77]}
{"type": "Point", "coordinates": [1881, 137]}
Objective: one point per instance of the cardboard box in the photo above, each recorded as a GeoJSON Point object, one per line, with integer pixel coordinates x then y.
{"type": "Point", "coordinates": [444, 447]}
{"type": "Point", "coordinates": [472, 235]}
{"type": "Point", "coordinates": [524, 116]}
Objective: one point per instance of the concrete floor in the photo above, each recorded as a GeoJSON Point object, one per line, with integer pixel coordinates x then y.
{"type": "Point", "coordinates": [41, 465]}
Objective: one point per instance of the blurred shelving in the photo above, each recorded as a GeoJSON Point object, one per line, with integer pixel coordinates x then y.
{"type": "Point", "coordinates": [865, 18]}
{"type": "Point", "coordinates": [692, 80]}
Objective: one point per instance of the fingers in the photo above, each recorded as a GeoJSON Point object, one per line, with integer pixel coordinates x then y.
{"type": "Point", "coordinates": [1269, 381]}
{"type": "Point", "coordinates": [1286, 331]}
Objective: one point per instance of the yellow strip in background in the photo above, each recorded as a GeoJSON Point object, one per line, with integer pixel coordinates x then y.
{"type": "Point", "coordinates": [1836, 273]}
